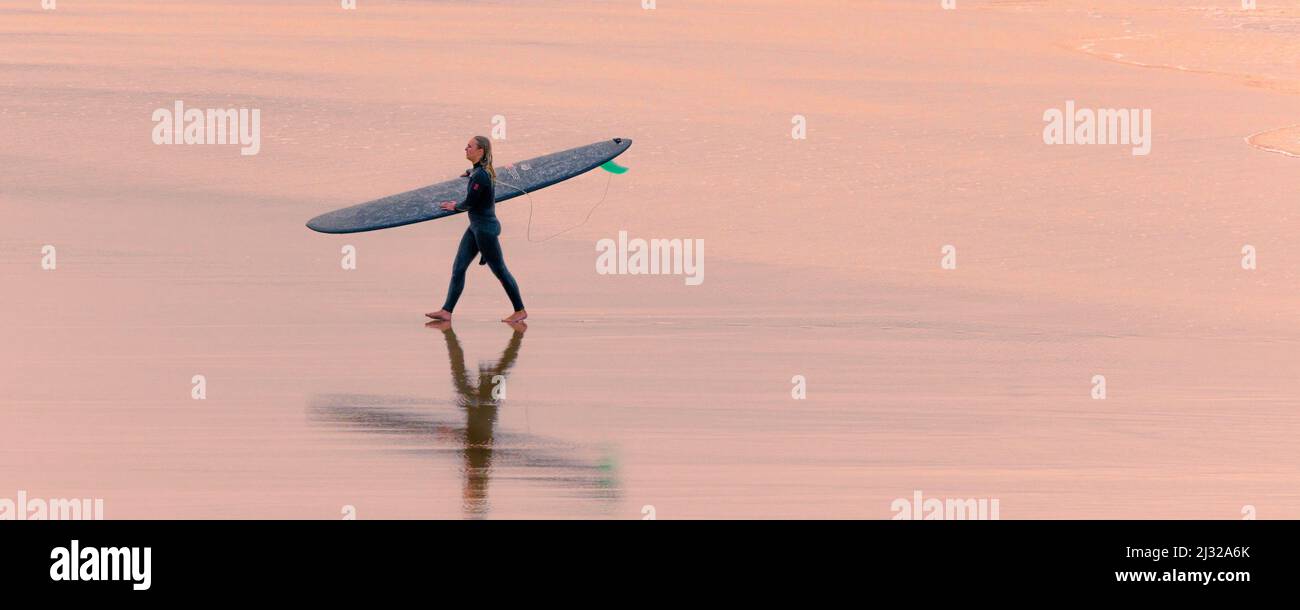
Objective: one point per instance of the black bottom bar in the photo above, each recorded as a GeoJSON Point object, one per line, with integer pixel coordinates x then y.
{"type": "Point", "coordinates": [1119, 558]}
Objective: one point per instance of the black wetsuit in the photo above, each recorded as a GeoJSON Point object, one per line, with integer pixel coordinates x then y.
{"type": "Point", "coordinates": [481, 238]}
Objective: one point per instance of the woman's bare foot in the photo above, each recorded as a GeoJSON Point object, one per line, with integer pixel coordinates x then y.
{"type": "Point", "coordinates": [518, 316]}
{"type": "Point", "coordinates": [441, 314]}
{"type": "Point", "coordinates": [518, 326]}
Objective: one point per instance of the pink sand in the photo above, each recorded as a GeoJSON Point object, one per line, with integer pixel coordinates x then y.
{"type": "Point", "coordinates": [325, 389]}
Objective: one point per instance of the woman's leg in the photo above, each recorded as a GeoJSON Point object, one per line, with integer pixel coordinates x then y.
{"type": "Point", "coordinates": [491, 248]}
{"type": "Point", "coordinates": [464, 256]}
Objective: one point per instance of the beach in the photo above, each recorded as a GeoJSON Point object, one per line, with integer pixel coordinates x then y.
{"type": "Point", "coordinates": [324, 388]}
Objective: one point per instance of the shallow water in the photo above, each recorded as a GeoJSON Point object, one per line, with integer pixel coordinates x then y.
{"type": "Point", "coordinates": [325, 389]}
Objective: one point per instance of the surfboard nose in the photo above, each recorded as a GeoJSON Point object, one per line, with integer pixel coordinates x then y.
{"type": "Point", "coordinates": [624, 142]}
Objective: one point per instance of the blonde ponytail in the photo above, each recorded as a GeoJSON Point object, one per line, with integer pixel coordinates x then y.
{"type": "Point", "coordinates": [486, 145]}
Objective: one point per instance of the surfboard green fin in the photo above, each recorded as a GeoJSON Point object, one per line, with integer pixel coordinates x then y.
{"type": "Point", "coordinates": [613, 167]}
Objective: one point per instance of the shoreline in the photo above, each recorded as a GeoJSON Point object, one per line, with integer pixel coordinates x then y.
{"type": "Point", "coordinates": [1207, 41]}
{"type": "Point", "coordinates": [1267, 140]}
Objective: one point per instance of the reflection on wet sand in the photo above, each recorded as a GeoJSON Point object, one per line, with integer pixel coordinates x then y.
{"type": "Point", "coordinates": [481, 446]}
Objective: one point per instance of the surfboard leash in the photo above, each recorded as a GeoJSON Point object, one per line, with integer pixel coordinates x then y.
{"type": "Point", "coordinates": [529, 233]}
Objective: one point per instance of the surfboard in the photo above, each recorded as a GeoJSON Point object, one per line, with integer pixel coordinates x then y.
{"type": "Point", "coordinates": [513, 180]}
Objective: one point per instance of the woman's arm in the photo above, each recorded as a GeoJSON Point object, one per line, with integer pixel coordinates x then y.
{"type": "Point", "coordinates": [474, 193]}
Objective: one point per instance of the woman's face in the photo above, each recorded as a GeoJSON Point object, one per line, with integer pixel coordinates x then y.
{"type": "Point", "coordinates": [473, 152]}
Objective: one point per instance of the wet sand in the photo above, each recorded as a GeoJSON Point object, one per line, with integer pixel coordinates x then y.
{"type": "Point", "coordinates": [326, 389]}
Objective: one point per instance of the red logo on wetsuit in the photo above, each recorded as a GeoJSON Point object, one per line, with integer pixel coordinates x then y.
{"type": "Point", "coordinates": [474, 188]}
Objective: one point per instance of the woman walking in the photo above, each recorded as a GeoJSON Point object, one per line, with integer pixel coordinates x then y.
{"type": "Point", "coordinates": [482, 236]}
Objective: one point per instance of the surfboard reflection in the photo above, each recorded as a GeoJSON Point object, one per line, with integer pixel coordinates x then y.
{"type": "Point", "coordinates": [482, 448]}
